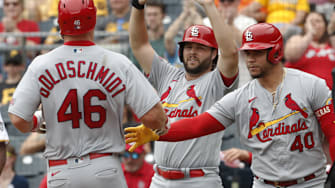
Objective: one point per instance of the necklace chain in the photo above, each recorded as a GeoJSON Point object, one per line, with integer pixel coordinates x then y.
{"type": "Point", "coordinates": [274, 101]}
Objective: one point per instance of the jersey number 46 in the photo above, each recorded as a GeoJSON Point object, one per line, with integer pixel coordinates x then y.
{"type": "Point", "coordinates": [71, 100]}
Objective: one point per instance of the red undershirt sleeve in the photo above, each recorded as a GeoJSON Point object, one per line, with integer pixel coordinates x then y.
{"type": "Point", "coordinates": [189, 128]}
{"type": "Point", "coordinates": [326, 118]}
{"type": "Point", "coordinates": [228, 81]}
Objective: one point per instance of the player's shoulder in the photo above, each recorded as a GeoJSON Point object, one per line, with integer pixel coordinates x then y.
{"type": "Point", "coordinates": [38, 59]}
{"type": "Point", "coordinates": [115, 57]}
{"type": "Point", "coordinates": [301, 76]}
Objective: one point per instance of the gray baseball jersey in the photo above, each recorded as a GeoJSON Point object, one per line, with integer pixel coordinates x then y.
{"type": "Point", "coordinates": [3, 132]}
{"type": "Point", "coordinates": [284, 133]}
{"type": "Point", "coordinates": [184, 99]}
{"type": "Point", "coordinates": [83, 90]}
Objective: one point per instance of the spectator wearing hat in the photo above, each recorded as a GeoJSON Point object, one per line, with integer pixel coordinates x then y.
{"type": "Point", "coordinates": [137, 171]}
{"type": "Point", "coordinates": [13, 69]}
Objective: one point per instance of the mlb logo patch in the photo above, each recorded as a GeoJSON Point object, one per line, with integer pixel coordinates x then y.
{"type": "Point", "coordinates": [78, 51]}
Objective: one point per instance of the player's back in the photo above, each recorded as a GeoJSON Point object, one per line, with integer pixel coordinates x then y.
{"type": "Point", "coordinates": [83, 90]}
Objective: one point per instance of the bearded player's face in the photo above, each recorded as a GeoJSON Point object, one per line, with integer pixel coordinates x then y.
{"type": "Point", "coordinates": [257, 63]}
{"type": "Point", "coordinates": [197, 58]}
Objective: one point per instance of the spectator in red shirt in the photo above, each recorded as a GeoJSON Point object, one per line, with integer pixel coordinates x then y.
{"type": "Point", "coordinates": [137, 171]}
{"type": "Point", "coordinates": [13, 21]}
{"type": "Point", "coordinates": [312, 52]}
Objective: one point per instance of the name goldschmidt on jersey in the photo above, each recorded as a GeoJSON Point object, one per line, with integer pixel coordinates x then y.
{"type": "Point", "coordinates": [104, 76]}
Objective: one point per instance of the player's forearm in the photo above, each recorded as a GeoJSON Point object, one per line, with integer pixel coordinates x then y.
{"type": "Point", "coordinates": [189, 128]}
{"type": "Point", "coordinates": [155, 118]}
{"type": "Point", "coordinates": [21, 124]}
{"type": "Point", "coordinates": [223, 32]}
{"type": "Point", "coordinates": [138, 35]}
{"type": "Point", "coordinates": [224, 35]}
{"type": "Point", "coordinates": [34, 143]}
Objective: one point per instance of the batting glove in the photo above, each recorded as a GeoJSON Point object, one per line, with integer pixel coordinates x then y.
{"type": "Point", "coordinates": [140, 135]}
{"type": "Point", "coordinates": [38, 122]}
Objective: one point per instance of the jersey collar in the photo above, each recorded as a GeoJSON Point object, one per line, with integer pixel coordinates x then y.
{"type": "Point", "coordinates": [79, 43]}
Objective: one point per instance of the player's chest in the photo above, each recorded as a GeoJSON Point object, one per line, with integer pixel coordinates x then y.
{"type": "Point", "coordinates": [182, 100]}
{"type": "Point", "coordinates": [268, 118]}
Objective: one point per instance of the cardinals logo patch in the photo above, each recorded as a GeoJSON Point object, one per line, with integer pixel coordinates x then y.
{"type": "Point", "coordinates": [191, 93]}
{"type": "Point", "coordinates": [291, 104]}
{"type": "Point", "coordinates": [195, 31]}
{"type": "Point", "coordinates": [254, 118]}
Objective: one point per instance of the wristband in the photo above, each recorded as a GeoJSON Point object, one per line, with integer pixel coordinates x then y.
{"type": "Point", "coordinates": [35, 124]}
{"type": "Point", "coordinates": [137, 5]}
{"type": "Point", "coordinates": [166, 128]}
{"type": "Point", "coordinates": [37, 121]}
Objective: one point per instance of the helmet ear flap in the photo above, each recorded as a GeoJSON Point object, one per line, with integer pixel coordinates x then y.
{"type": "Point", "coordinates": [275, 54]}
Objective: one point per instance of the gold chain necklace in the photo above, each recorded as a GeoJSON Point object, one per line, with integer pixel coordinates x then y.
{"type": "Point", "coordinates": [274, 101]}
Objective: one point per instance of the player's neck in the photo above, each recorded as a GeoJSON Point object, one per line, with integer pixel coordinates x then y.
{"type": "Point", "coordinates": [272, 80]}
{"type": "Point", "coordinates": [89, 36]}
{"type": "Point", "coordinates": [190, 76]}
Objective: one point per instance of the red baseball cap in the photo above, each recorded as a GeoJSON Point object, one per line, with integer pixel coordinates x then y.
{"type": "Point", "coordinates": [139, 149]}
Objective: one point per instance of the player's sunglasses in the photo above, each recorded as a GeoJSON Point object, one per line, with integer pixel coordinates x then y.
{"type": "Point", "coordinates": [11, 3]}
{"type": "Point", "coordinates": [133, 155]}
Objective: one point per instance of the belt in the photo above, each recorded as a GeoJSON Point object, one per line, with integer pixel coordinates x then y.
{"type": "Point", "coordinates": [178, 174]}
{"type": "Point", "coordinates": [290, 182]}
{"type": "Point", "coordinates": [91, 156]}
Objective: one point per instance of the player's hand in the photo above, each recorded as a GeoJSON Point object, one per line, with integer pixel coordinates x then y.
{"type": "Point", "coordinates": [42, 129]}
{"type": "Point", "coordinates": [233, 154]}
{"type": "Point", "coordinates": [140, 135]}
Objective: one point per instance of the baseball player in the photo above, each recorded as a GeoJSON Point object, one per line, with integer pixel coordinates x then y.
{"type": "Point", "coordinates": [282, 115]}
{"type": "Point", "coordinates": [3, 141]}
{"type": "Point", "coordinates": [83, 89]}
{"type": "Point", "coordinates": [188, 93]}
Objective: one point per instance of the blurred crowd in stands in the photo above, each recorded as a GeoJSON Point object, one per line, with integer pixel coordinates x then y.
{"type": "Point", "coordinates": [308, 27]}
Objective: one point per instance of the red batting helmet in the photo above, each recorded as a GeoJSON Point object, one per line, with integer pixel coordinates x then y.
{"type": "Point", "coordinates": [76, 17]}
{"type": "Point", "coordinates": [199, 34]}
{"type": "Point", "coordinates": [264, 36]}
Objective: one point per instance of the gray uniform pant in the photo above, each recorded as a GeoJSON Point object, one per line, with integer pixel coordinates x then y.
{"type": "Point", "coordinates": [103, 172]}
